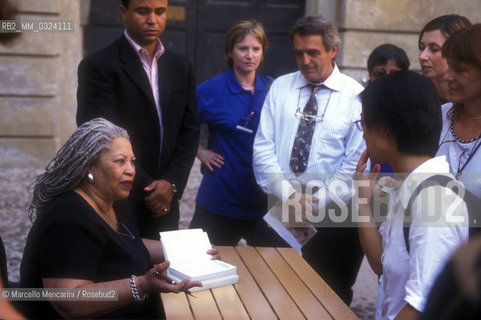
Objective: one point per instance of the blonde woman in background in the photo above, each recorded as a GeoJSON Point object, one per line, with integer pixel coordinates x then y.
{"type": "Point", "coordinates": [229, 203]}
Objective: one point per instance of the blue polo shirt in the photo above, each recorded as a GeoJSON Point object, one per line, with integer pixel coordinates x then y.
{"type": "Point", "coordinates": [223, 104]}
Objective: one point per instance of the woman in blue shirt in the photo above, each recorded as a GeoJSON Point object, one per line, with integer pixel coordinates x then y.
{"type": "Point", "coordinates": [229, 202]}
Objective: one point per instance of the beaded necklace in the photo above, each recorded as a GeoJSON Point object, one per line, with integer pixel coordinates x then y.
{"type": "Point", "coordinates": [451, 127]}
{"type": "Point", "coordinates": [471, 154]}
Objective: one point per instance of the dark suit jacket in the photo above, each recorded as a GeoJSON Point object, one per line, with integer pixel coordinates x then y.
{"type": "Point", "coordinates": [113, 85]}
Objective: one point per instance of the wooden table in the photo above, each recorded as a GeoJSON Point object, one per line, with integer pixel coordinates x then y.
{"type": "Point", "coordinates": [274, 283]}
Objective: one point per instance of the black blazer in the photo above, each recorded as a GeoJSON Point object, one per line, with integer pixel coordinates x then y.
{"type": "Point", "coordinates": [112, 84]}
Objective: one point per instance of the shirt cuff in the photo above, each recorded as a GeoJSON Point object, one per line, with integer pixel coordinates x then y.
{"type": "Point", "coordinates": [282, 189]}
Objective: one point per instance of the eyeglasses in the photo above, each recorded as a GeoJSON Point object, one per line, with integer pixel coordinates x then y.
{"type": "Point", "coordinates": [360, 124]}
{"type": "Point", "coordinates": [308, 117]}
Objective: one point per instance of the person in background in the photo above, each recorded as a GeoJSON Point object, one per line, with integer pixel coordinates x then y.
{"type": "Point", "coordinates": [386, 58]}
{"type": "Point", "coordinates": [456, 294]}
{"type": "Point", "coordinates": [431, 40]}
{"type": "Point", "coordinates": [401, 122]}
{"type": "Point", "coordinates": [229, 202]}
{"type": "Point", "coordinates": [383, 60]}
{"type": "Point", "coordinates": [85, 236]}
{"type": "Point", "coordinates": [306, 134]}
{"type": "Point", "coordinates": [149, 90]}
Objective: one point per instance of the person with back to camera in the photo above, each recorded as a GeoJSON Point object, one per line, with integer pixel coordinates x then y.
{"type": "Point", "coordinates": [85, 235]}
{"type": "Point", "coordinates": [149, 90]}
{"type": "Point", "coordinates": [430, 42]}
{"type": "Point", "coordinates": [229, 201]}
{"type": "Point", "coordinates": [401, 122]}
{"type": "Point", "coordinates": [383, 60]}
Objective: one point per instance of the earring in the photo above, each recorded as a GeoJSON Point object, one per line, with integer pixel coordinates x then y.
{"type": "Point", "coordinates": [90, 177]}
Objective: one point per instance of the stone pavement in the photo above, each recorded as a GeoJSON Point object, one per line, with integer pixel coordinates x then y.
{"type": "Point", "coordinates": [17, 172]}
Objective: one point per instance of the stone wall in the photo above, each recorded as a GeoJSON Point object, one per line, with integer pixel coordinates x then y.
{"type": "Point", "coordinates": [38, 78]}
{"type": "Point", "coordinates": [38, 81]}
{"type": "Point", "coordinates": [365, 24]}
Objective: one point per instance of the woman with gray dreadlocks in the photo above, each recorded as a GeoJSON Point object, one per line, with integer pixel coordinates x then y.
{"type": "Point", "coordinates": [85, 238]}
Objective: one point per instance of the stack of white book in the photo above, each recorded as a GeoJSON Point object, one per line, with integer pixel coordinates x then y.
{"type": "Point", "coordinates": [187, 252]}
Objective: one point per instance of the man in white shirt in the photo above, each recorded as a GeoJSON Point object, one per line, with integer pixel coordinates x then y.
{"type": "Point", "coordinates": [296, 145]}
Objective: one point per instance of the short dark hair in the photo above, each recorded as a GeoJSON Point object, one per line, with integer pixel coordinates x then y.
{"type": "Point", "coordinates": [407, 105]}
{"type": "Point", "coordinates": [317, 25]}
{"type": "Point", "coordinates": [386, 52]}
{"type": "Point", "coordinates": [125, 3]}
{"type": "Point", "coordinates": [447, 24]}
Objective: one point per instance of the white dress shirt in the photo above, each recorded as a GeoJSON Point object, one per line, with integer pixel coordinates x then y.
{"type": "Point", "coordinates": [408, 277]}
{"type": "Point", "coordinates": [336, 144]}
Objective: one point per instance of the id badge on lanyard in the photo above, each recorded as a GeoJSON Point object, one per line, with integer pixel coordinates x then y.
{"type": "Point", "coordinates": [246, 124]}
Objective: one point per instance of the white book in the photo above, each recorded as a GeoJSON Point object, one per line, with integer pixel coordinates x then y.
{"type": "Point", "coordinates": [187, 252]}
{"type": "Point", "coordinates": [212, 283]}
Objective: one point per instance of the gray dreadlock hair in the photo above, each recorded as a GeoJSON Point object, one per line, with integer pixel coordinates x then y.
{"type": "Point", "coordinates": [70, 165]}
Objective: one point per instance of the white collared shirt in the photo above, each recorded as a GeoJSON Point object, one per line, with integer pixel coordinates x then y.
{"type": "Point", "coordinates": [336, 145]}
{"type": "Point", "coordinates": [150, 66]}
{"type": "Point", "coordinates": [408, 277]}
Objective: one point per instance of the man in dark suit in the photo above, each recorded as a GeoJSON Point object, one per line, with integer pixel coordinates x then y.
{"type": "Point", "coordinates": [150, 91]}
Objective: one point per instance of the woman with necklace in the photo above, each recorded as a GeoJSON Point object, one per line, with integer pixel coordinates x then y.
{"type": "Point", "coordinates": [229, 202]}
{"type": "Point", "coordinates": [85, 236]}
{"type": "Point", "coordinates": [460, 137]}
{"type": "Point", "coordinates": [455, 295]}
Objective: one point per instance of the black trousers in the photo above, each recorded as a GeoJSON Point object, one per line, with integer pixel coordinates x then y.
{"type": "Point", "coordinates": [335, 252]}
{"type": "Point", "coordinates": [222, 230]}
{"type": "Point", "coordinates": [336, 255]}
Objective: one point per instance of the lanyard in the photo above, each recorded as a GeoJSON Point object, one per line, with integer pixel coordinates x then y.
{"type": "Point", "coordinates": [460, 170]}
